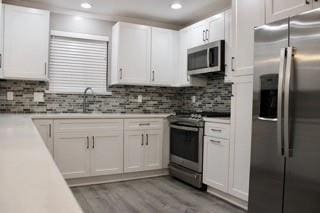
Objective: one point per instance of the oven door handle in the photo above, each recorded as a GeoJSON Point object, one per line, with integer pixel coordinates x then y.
{"type": "Point", "coordinates": [192, 129]}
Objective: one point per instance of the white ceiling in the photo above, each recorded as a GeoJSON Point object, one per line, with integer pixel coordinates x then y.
{"type": "Point", "coordinates": [153, 10]}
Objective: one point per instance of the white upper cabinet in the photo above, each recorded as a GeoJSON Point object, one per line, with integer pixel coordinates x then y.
{"type": "Point", "coordinates": [228, 45]}
{"type": "Point", "coordinates": [216, 28]}
{"type": "Point", "coordinates": [279, 9]}
{"type": "Point", "coordinates": [198, 34]}
{"type": "Point", "coordinates": [26, 43]}
{"type": "Point", "coordinates": [131, 46]}
{"type": "Point", "coordinates": [164, 58]}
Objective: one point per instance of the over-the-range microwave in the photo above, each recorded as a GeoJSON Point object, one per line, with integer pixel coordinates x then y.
{"type": "Point", "coordinates": [206, 58]}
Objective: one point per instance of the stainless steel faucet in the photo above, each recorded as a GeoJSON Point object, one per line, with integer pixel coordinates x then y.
{"type": "Point", "coordinates": [85, 95]}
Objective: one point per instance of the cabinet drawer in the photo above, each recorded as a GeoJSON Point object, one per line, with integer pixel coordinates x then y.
{"type": "Point", "coordinates": [141, 124]}
{"type": "Point", "coordinates": [217, 130]}
{"type": "Point", "coordinates": [87, 125]}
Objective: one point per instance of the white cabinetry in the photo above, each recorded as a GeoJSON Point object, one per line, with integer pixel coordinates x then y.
{"type": "Point", "coordinates": [88, 147]}
{"type": "Point", "coordinates": [131, 45]}
{"type": "Point", "coordinates": [45, 128]}
{"type": "Point", "coordinates": [279, 9]}
{"type": "Point", "coordinates": [143, 140]}
{"type": "Point", "coordinates": [240, 143]}
{"type": "Point", "coordinates": [164, 59]}
{"type": "Point", "coordinates": [26, 43]}
{"type": "Point", "coordinates": [216, 155]}
{"type": "Point", "coordinates": [247, 14]}
{"type": "Point", "coordinates": [216, 27]}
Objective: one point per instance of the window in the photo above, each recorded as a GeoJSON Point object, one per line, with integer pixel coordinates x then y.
{"type": "Point", "coordinates": [77, 61]}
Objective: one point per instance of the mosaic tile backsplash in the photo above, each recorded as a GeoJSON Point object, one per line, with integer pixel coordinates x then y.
{"type": "Point", "coordinates": [215, 97]}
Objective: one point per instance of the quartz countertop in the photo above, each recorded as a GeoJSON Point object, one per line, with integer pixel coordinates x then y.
{"type": "Point", "coordinates": [29, 179]}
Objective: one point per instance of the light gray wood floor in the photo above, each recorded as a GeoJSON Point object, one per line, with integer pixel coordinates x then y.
{"type": "Point", "coordinates": [162, 194]}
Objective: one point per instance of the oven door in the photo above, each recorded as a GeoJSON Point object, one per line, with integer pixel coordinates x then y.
{"type": "Point", "coordinates": [186, 146]}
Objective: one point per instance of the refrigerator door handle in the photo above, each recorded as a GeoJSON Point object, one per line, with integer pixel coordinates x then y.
{"type": "Point", "coordinates": [287, 88]}
{"type": "Point", "coordinates": [282, 68]}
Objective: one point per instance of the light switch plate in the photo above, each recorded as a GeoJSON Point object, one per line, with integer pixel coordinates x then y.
{"type": "Point", "coordinates": [10, 96]}
{"type": "Point", "coordinates": [193, 99]}
{"type": "Point", "coordinates": [139, 99]}
{"type": "Point", "coordinates": [38, 97]}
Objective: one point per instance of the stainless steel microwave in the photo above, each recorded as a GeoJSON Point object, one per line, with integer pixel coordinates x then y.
{"type": "Point", "coordinates": [206, 58]}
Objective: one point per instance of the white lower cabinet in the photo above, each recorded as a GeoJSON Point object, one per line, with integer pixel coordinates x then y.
{"type": "Point", "coordinates": [142, 150]}
{"type": "Point", "coordinates": [95, 147]}
{"type": "Point", "coordinates": [216, 162]}
{"type": "Point", "coordinates": [240, 142]}
{"type": "Point", "coordinates": [72, 154]}
{"type": "Point", "coordinates": [45, 128]}
{"type": "Point", "coordinates": [107, 153]}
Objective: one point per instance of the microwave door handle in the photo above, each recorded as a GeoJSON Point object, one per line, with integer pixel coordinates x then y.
{"type": "Point", "coordinates": [283, 55]}
{"type": "Point", "coordinates": [286, 108]}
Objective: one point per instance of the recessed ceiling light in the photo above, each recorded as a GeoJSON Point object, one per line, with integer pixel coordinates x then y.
{"type": "Point", "coordinates": [176, 6]}
{"type": "Point", "coordinates": [86, 5]}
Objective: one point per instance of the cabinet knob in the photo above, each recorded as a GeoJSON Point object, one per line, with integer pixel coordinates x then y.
{"type": "Point", "coordinates": [142, 140]}
{"type": "Point", "coordinates": [120, 73]}
{"type": "Point", "coordinates": [87, 142]}
{"type": "Point", "coordinates": [153, 75]}
{"type": "Point", "coordinates": [92, 142]}
{"type": "Point", "coordinates": [307, 2]}
{"type": "Point", "coordinates": [203, 35]}
{"type": "Point", "coordinates": [232, 61]}
{"type": "Point", "coordinates": [147, 136]}
{"type": "Point", "coordinates": [214, 141]}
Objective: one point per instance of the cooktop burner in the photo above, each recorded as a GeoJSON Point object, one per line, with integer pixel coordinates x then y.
{"type": "Point", "coordinates": [195, 118]}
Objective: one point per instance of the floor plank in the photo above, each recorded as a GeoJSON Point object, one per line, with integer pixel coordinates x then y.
{"type": "Point", "coordinates": [162, 194]}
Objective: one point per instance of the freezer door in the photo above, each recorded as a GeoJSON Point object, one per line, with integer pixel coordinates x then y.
{"type": "Point", "coordinates": [267, 160]}
{"type": "Point", "coordinates": [302, 183]}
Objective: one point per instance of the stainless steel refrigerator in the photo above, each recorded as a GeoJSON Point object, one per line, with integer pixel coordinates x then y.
{"type": "Point", "coordinates": [285, 155]}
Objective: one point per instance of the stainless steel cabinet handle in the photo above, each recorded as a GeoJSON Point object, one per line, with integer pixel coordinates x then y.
{"type": "Point", "coordinates": [0, 60]}
{"type": "Point", "coordinates": [93, 142]}
{"type": "Point", "coordinates": [147, 136]}
{"type": "Point", "coordinates": [144, 124]}
{"type": "Point", "coordinates": [87, 142]}
{"type": "Point", "coordinates": [142, 140]}
{"type": "Point", "coordinates": [286, 102]}
{"type": "Point", "coordinates": [214, 141]}
{"type": "Point", "coordinates": [49, 130]}
{"type": "Point", "coordinates": [45, 68]}
{"type": "Point", "coordinates": [283, 55]}
{"type": "Point", "coordinates": [207, 35]}
{"type": "Point", "coordinates": [152, 75]}
{"type": "Point", "coordinates": [203, 35]}
{"type": "Point", "coordinates": [216, 130]}
{"type": "Point", "coordinates": [120, 70]}
{"type": "Point", "coordinates": [232, 61]}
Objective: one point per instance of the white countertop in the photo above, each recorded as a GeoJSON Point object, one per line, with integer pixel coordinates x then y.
{"type": "Point", "coordinates": [30, 181]}
{"type": "Point", "coordinates": [218, 120]}
{"type": "Point", "coordinates": [98, 115]}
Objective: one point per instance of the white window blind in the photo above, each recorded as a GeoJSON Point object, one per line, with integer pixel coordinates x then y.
{"type": "Point", "coordinates": [77, 63]}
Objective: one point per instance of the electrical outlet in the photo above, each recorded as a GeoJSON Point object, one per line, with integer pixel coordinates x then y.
{"type": "Point", "coordinates": [38, 97]}
{"type": "Point", "coordinates": [193, 99]}
{"type": "Point", "coordinates": [10, 96]}
{"type": "Point", "coordinates": [139, 99]}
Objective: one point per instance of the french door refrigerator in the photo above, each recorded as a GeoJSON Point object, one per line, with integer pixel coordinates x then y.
{"type": "Point", "coordinates": [285, 155]}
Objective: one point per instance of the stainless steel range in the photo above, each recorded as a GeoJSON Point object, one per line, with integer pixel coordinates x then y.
{"type": "Point", "coordinates": [186, 146]}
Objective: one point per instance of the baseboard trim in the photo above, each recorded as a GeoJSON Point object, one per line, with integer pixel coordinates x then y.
{"type": "Point", "coordinates": [229, 198]}
{"type": "Point", "coordinates": [85, 181]}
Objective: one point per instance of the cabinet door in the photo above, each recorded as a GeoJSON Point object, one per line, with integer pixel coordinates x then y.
{"type": "Point", "coordinates": [197, 34]}
{"type": "Point", "coordinates": [153, 150]}
{"type": "Point", "coordinates": [243, 26]}
{"type": "Point", "coordinates": [134, 142]}
{"type": "Point", "coordinates": [216, 28]}
{"type": "Point", "coordinates": [279, 9]}
{"type": "Point", "coordinates": [72, 154]}
{"type": "Point", "coordinates": [134, 47]}
{"type": "Point", "coordinates": [228, 45]}
{"type": "Point", "coordinates": [216, 163]}
{"type": "Point", "coordinates": [163, 56]}
{"type": "Point", "coordinates": [26, 42]}
{"type": "Point", "coordinates": [240, 147]}
{"type": "Point", "coordinates": [45, 130]}
{"type": "Point", "coordinates": [107, 153]}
